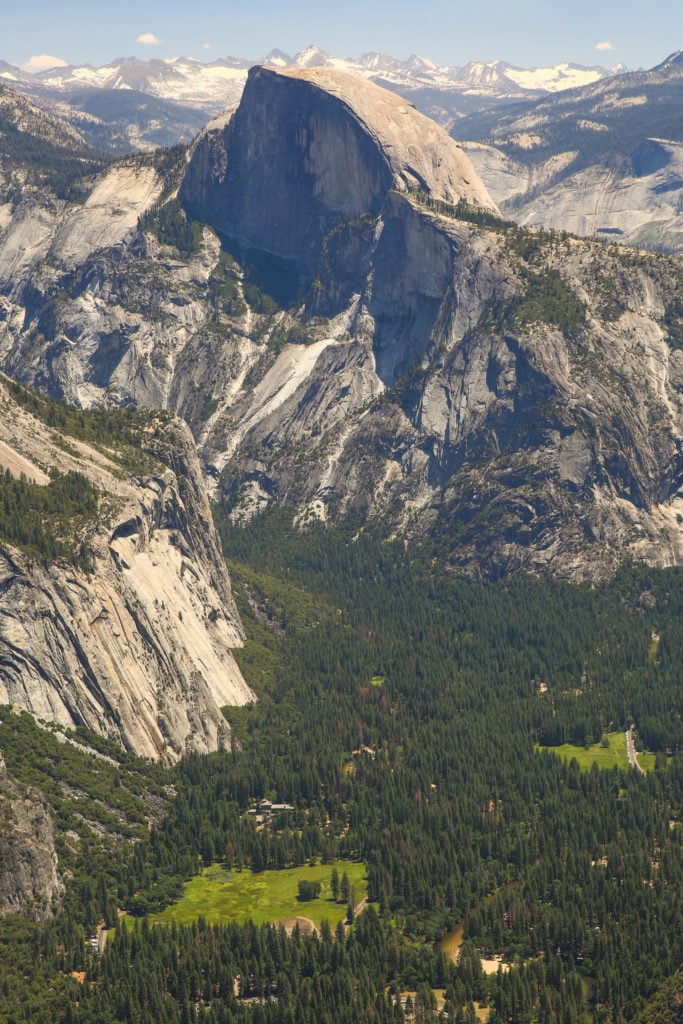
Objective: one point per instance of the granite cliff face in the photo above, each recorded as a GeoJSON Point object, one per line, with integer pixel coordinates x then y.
{"type": "Point", "coordinates": [637, 202]}
{"type": "Point", "coordinates": [310, 149]}
{"type": "Point", "coordinates": [534, 421]}
{"type": "Point", "coordinates": [429, 367]}
{"type": "Point", "coordinates": [139, 647]}
{"type": "Point", "coordinates": [29, 877]}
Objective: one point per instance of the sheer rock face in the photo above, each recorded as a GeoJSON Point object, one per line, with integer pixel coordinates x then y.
{"type": "Point", "coordinates": [140, 648]}
{"type": "Point", "coordinates": [46, 232]}
{"type": "Point", "coordinates": [308, 149]}
{"type": "Point", "coordinates": [29, 879]}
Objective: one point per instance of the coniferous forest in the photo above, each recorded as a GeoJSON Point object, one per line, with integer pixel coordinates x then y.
{"type": "Point", "coordinates": [409, 720]}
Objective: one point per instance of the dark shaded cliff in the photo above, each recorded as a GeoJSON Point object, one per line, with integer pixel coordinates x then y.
{"type": "Point", "coordinates": [308, 150]}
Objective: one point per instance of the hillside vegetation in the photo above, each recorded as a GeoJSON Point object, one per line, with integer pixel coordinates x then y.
{"type": "Point", "coordinates": [400, 715]}
{"type": "Point", "coordinates": [40, 150]}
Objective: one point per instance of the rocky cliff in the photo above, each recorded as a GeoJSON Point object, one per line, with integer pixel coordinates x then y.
{"type": "Point", "coordinates": [427, 366]}
{"type": "Point", "coordinates": [602, 161]}
{"type": "Point", "coordinates": [137, 645]}
{"type": "Point", "coordinates": [309, 149]}
{"type": "Point", "coordinates": [29, 878]}
{"type": "Point", "coordinates": [524, 406]}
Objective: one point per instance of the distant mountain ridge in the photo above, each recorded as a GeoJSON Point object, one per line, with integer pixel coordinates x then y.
{"type": "Point", "coordinates": [604, 160]}
{"type": "Point", "coordinates": [444, 92]}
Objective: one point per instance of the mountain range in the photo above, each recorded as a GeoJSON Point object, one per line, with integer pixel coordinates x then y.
{"type": "Point", "coordinates": [134, 104]}
{"type": "Point", "coordinates": [350, 328]}
{"type": "Point", "coordinates": [588, 150]}
{"type": "Point", "coordinates": [603, 160]}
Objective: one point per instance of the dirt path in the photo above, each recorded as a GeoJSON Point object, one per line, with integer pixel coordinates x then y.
{"type": "Point", "coordinates": [360, 907]}
{"type": "Point", "coordinates": [631, 751]}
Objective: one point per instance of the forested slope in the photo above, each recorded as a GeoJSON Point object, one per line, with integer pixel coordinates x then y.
{"type": "Point", "coordinates": [400, 714]}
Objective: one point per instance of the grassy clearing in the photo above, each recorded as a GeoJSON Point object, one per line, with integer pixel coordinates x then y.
{"type": "Point", "coordinates": [221, 896]}
{"type": "Point", "coordinates": [647, 761]}
{"type": "Point", "coordinates": [613, 756]}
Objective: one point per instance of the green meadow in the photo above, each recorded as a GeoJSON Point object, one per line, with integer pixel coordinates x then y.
{"type": "Point", "coordinates": [613, 756]}
{"type": "Point", "coordinates": [221, 896]}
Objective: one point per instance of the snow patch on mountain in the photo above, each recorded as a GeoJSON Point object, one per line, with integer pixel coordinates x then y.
{"type": "Point", "coordinates": [555, 79]}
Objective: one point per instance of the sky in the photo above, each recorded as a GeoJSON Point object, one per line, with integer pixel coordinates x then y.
{"type": "Point", "coordinates": [526, 33]}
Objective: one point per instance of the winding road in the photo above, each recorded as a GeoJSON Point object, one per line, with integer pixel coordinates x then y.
{"type": "Point", "coordinates": [631, 751]}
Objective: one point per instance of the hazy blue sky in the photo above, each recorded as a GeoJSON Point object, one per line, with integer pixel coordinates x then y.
{"type": "Point", "coordinates": [525, 32]}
